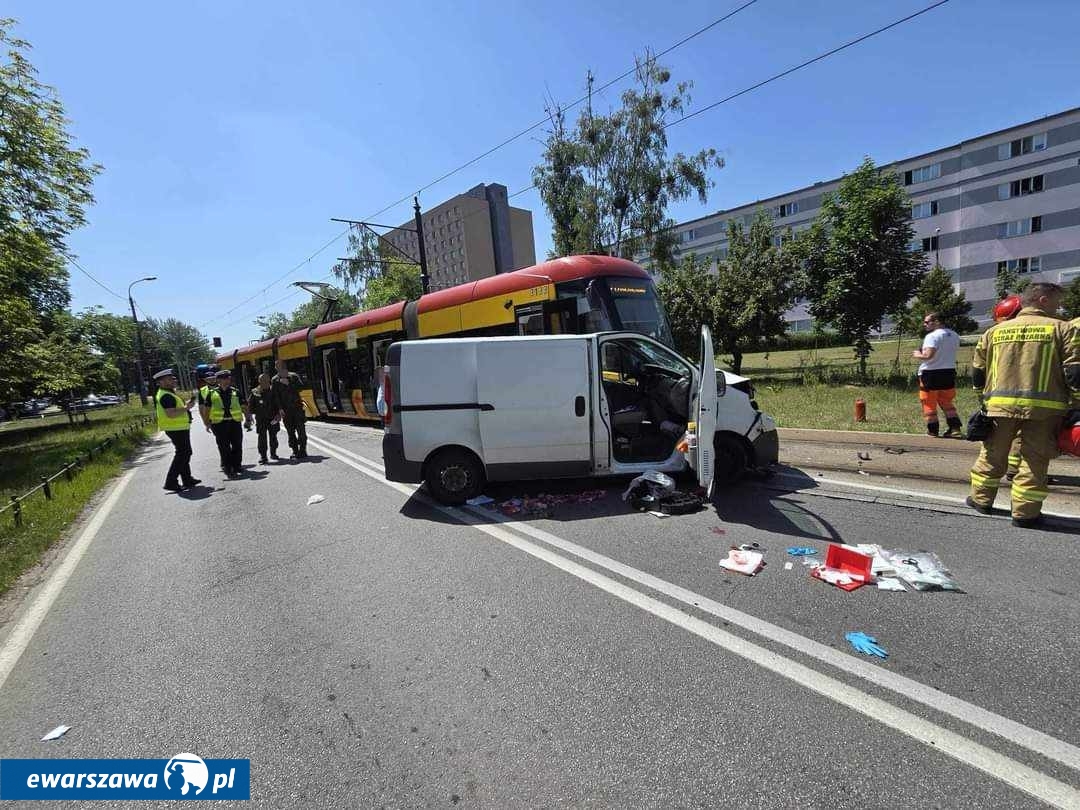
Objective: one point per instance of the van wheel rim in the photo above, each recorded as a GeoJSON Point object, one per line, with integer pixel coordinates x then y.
{"type": "Point", "coordinates": [454, 479]}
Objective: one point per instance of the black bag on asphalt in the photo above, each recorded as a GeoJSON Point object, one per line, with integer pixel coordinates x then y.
{"type": "Point", "coordinates": [979, 427]}
{"type": "Point", "coordinates": [680, 503]}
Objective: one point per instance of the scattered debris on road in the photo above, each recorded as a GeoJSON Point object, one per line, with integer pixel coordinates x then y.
{"type": "Point", "coordinates": [864, 456]}
{"type": "Point", "coordinates": [56, 733]}
{"type": "Point", "coordinates": [845, 568]}
{"type": "Point", "coordinates": [890, 584]}
{"type": "Point", "coordinates": [801, 551]}
{"type": "Point", "coordinates": [718, 530]}
{"type": "Point", "coordinates": [865, 644]}
{"type": "Point", "coordinates": [896, 451]}
{"type": "Point", "coordinates": [743, 561]}
{"type": "Point", "coordinates": [922, 570]}
{"type": "Point", "coordinates": [314, 499]}
{"type": "Point", "coordinates": [789, 565]}
{"type": "Point", "coordinates": [480, 500]}
{"type": "Point", "coordinates": [542, 505]}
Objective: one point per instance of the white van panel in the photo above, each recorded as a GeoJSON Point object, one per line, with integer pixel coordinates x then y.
{"type": "Point", "coordinates": [532, 387]}
{"type": "Point", "coordinates": [439, 373]}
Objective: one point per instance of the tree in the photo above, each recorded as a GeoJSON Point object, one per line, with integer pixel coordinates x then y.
{"type": "Point", "coordinates": [44, 191]}
{"type": "Point", "coordinates": [1071, 302]}
{"type": "Point", "coordinates": [857, 256]}
{"type": "Point", "coordinates": [755, 286]}
{"type": "Point", "coordinates": [689, 293]}
{"type": "Point", "coordinates": [273, 325]}
{"type": "Point", "coordinates": [937, 294]}
{"type": "Point", "coordinates": [607, 183]}
{"type": "Point", "coordinates": [1007, 281]}
{"type": "Point", "coordinates": [400, 281]}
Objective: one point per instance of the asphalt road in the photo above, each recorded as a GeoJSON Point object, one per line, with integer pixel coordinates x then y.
{"type": "Point", "coordinates": [375, 651]}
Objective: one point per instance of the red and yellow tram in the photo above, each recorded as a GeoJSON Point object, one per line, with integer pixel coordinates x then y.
{"type": "Point", "coordinates": [339, 361]}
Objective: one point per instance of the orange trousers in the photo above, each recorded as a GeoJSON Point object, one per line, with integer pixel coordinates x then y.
{"type": "Point", "coordinates": [932, 400]}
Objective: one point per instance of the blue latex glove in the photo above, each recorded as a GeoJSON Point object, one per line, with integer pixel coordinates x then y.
{"type": "Point", "coordinates": [865, 644]}
{"type": "Point", "coordinates": [801, 551]}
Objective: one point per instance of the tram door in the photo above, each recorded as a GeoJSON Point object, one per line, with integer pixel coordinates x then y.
{"type": "Point", "coordinates": [331, 371]}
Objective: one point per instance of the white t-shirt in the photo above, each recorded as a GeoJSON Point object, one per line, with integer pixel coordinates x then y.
{"type": "Point", "coordinates": [946, 342]}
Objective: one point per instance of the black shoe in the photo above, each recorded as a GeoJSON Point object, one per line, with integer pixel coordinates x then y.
{"type": "Point", "coordinates": [1027, 523]}
{"type": "Point", "coordinates": [262, 460]}
{"type": "Point", "coordinates": [194, 482]}
{"type": "Point", "coordinates": [172, 487]}
{"type": "Point", "coordinates": [953, 433]}
{"type": "Point", "coordinates": [978, 507]}
{"type": "Point", "coordinates": [274, 456]}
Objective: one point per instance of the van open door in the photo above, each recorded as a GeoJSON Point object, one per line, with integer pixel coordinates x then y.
{"type": "Point", "coordinates": [707, 404]}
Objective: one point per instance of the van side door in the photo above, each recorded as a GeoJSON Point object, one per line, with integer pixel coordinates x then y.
{"type": "Point", "coordinates": [535, 407]}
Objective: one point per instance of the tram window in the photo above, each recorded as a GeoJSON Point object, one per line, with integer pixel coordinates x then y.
{"type": "Point", "coordinates": [531, 324]}
{"type": "Point", "coordinates": [299, 366]}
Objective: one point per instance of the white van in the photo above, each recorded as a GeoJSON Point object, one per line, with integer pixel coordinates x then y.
{"type": "Point", "coordinates": [463, 411]}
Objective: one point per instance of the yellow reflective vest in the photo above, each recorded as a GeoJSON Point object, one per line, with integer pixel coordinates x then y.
{"type": "Point", "coordinates": [166, 422]}
{"type": "Point", "coordinates": [1025, 361]}
{"type": "Point", "coordinates": [217, 406]}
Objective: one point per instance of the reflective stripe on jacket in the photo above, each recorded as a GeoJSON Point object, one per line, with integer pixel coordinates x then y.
{"type": "Point", "coordinates": [1025, 360]}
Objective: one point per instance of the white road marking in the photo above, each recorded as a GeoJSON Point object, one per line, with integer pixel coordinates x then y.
{"type": "Point", "coordinates": [1032, 739]}
{"type": "Point", "coordinates": [19, 637]}
{"type": "Point", "coordinates": [911, 493]}
{"type": "Point", "coordinates": [1020, 776]}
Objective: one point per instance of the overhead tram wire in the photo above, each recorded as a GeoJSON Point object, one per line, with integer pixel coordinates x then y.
{"type": "Point", "coordinates": [90, 276]}
{"type": "Point", "coordinates": [807, 63]}
{"type": "Point", "coordinates": [480, 157]}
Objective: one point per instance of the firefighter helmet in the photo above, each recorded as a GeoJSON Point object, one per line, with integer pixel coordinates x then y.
{"type": "Point", "coordinates": [1008, 308]}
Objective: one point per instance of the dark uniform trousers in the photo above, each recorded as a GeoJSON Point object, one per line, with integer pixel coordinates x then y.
{"type": "Point", "coordinates": [294, 425]}
{"type": "Point", "coordinates": [181, 462]}
{"type": "Point", "coordinates": [267, 429]}
{"type": "Point", "coordinates": [230, 442]}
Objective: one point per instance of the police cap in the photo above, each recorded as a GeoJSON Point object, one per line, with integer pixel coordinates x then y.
{"type": "Point", "coordinates": [165, 372]}
{"type": "Point", "coordinates": [223, 374]}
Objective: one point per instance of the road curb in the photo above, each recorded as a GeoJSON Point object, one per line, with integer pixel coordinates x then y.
{"type": "Point", "coordinates": [905, 440]}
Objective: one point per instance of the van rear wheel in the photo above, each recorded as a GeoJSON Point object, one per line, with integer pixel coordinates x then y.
{"type": "Point", "coordinates": [454, 476]}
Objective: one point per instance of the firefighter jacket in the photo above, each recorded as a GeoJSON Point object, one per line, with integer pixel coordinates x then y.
{"type": "Point", "coordinates": [1028, 367]}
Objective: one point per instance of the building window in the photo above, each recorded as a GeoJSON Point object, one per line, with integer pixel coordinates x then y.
{"type": "Point", "coordinates": [1021, 188]}
{"type": "Point", "coordinates": [787, 209]}
{"type": "Point", "coordinates": [1031, 264]}
{"type": "Point", "coordinates": [1019, 227]}
{"type": "Point", "coordinates": [1022, 146]}
{"type": "Point", "coordinates": [922, 174]}
{"type": "Point", "coordinates": [929, 243]}
{"type": "Point", "coordinates": [924, 210]}
{"type": "Point", "coordinates": [688, 236]}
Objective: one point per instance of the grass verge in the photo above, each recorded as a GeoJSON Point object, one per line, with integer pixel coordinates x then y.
{"type": "Point", "coordinates": [889, 409]}
{"type": "Point", "coordinates": [36, 448]}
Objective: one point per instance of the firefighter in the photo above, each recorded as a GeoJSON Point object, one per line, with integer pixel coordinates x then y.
{"type": "Point", "coordinates": [225, 411]}
{"type": "Point", "coordinates": [1027, 374]}
{"type": "Point", "coordinates": [174, 417]}
{"type": "Point", "coordinates": [1005, 310]}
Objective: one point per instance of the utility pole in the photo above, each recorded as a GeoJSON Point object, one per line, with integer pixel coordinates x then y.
{"type": "Point", "coordinates": [423, 250]}
{"type": "Point", "coordinates": [138, 340]}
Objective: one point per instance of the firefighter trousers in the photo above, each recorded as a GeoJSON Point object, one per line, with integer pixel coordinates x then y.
{"type": "Point", "coordinates": [1038, 444]}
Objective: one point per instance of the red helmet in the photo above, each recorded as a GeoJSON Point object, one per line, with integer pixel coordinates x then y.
{"type": "Point", "coordinates": [1008, 308]}
{"type": "Point", "coordinates": [1069, 439]}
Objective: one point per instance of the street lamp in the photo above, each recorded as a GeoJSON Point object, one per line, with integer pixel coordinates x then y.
{"type": "Point", "coordinates": [937, 247]}
{"type": "Point", "coordinates": [138, 339]}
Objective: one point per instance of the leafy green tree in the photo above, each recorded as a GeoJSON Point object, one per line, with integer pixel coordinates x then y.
{"type": "Point", "coordinates": [273, 325]}
{"type": "Point", "coordinates": [400, 281]}
{"type": "Point", "coordinates": [755, 286]}
{"type": "Point", "coordinates": [1071, 302]}
{"type": "Point", "coordinates": [21, 330]}
{"type": "Point", "coordinates": [689, 293]}
{"type": "Point", "coordinates": [936, 293]}
{"type": "Point", "coordinates": [178, 344]}
{"type": "Point", "coordinates": [607, 183]}
{"type": "Point", "coordinates": [310, 313]}
{"type": "Point", "coordinates": [857, 255]}
{"type": "Point", "coordinates": [1007, 281]}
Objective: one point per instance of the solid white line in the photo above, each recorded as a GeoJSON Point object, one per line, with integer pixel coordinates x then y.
{"type": "Point", "coordinates": [21, 634]}
{"type": "Point", "coordinates": [1032, 739]}
{"type": "Point", "coordinates": [978, 756]}
{"type": "Point", "coordinates": [912, 493]}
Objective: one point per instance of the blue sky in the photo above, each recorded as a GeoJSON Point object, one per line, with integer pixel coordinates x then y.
{"type": "Point", "coordinates": [232, 132]}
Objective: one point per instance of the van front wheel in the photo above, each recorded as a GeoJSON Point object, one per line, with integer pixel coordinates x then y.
{"type": "Point", "coordinates": [454, 476]}
{"type": "Point", "coordinates": [731, 460]}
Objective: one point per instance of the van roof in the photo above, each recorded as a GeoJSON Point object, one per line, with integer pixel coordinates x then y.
{"type": "Point", "coordinates": [506, 339]}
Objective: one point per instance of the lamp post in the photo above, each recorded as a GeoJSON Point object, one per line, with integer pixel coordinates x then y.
{"type": "Point", "coordinates": [937, 247]}
{"type": "Point", "coordinates": [138, 339]}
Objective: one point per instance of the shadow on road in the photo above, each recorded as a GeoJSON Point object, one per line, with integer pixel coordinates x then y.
{"type": "Point", "coordinates": [196, 493]}
{"type": "Point", "coordinates": [773, 510]}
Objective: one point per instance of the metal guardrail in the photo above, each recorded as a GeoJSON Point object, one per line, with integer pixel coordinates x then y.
{"type": "Point", "coordinates": [69, 471]}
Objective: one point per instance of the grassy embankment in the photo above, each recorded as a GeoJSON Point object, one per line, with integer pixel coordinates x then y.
{"type": "Point", "coordinates": [817, 388]}
{"type": "Point", "coordinates": [32, 448]}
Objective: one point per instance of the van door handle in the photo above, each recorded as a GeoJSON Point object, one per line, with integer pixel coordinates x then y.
{"type": "Point", "coordinates": [579, 406]}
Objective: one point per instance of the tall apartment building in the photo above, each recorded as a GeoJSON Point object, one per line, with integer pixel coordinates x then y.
{"type": "Point", "coordinates": [471, 236]}
{"type": "Point", "coordinates": [1008, 198]}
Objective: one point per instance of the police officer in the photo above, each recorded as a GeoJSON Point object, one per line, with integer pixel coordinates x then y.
{"type": "Point", "coordinates": [225, 412]}
{"type": "Point", "coordinates": [285, 394]}
{"type": "Point", "coordinates": [209, 383]}
{"type": "Point", "coordinates": [1027, 373]}
{"type": "Point", "coordinates": [174, 417]}
{"type": "Point", "coordinates": [266, 418]}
